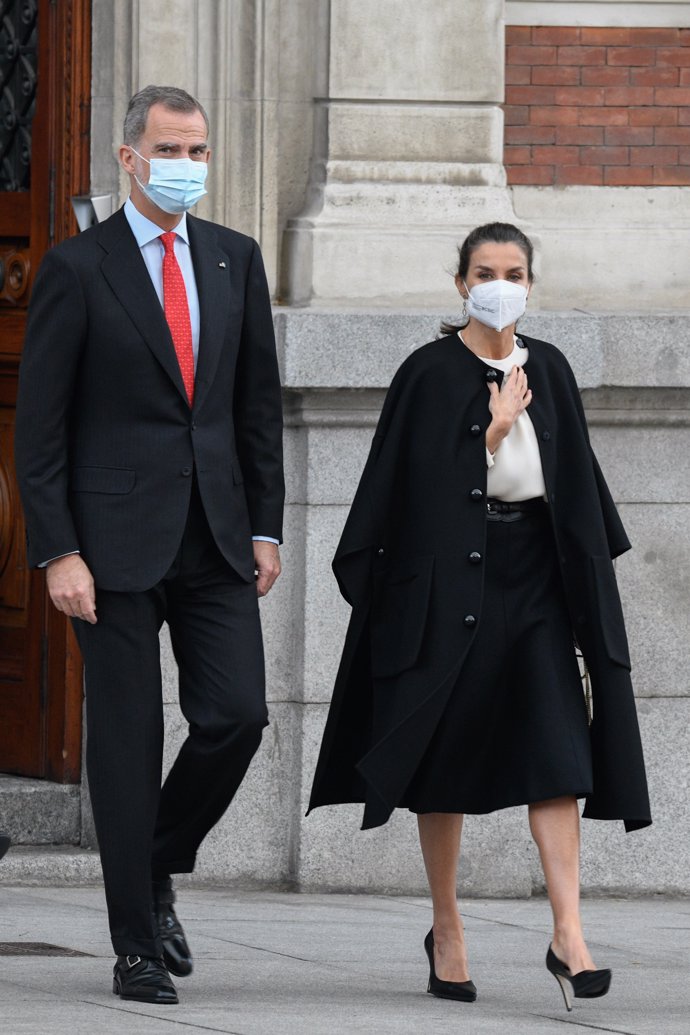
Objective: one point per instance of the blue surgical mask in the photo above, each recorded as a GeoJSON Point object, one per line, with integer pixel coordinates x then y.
{"type": "Point", "coordinates": [175, 184]}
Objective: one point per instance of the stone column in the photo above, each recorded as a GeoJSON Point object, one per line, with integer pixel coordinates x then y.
{"type": "Point", "coordinates": [408, 151]}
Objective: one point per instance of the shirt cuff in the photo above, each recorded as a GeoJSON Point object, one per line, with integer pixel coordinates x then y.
{"type": "Point", "coordinates": [490, 459]}
{"type": "Point", "coordinates": [44, 564]}
{"type": "Point", "coordinates": [264, 539]}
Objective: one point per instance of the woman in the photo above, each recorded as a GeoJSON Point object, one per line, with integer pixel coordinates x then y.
{"type": "Point", "coordinates": [478, 548]}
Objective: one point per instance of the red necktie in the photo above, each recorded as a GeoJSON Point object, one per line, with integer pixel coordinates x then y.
{"type": "Point", "coordinates": [177, 313]}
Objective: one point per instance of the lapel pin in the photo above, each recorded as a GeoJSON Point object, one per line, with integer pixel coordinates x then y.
{"type": "Point", "coordinates": [222, 266]}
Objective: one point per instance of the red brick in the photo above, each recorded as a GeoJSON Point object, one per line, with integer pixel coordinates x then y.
{"type": "Point", "coordinates": [518, 34]}
{"type": "Point", "coordinates": [531, 55]}
{"type": "Point", "coordinates": [556, 34]}
{"type": "Point", "coordinates": [672, 135]}
{"type": "Point", "coordinates": [555, 75]}
{"type": "Point", "coordinates": [627, 135]}
{"type": "Point", "coordinates": [582, 55]}
{"type": "Point", "coordinates": [554, 116]}
{"type": "Point", "coordinates": [603, 116]}
{"type": "Point", "coordinates": [682, 114]}
{"type": "Point", "coordinates": [655, 37]}
{"type": "Point", "coordinates": [684, 77]}
{"type": "Point", "coordinates": [589, 175]}
{"type": "Point", "coordinates": [605, 75]}
{"type": "Point", "coordinates": [517, 155]}
{"type": "Point", "coordinates": [516, 115]}
{"type": "Point", "coordinates": [671, 175]}
{"type": "Point", "coordinates": [631, 37]}
{"type": "Point", "coordinates": [655, 76]}
{"type": "Point", "coordinates": [684, 156]}
{"type": "Point", "coordinates": [670, 95]}
{"type": "Point", "coordinates": [518, 75]}
{"type": "Point", "coordinates": [629, 95]}
{"type": "Point", "coordinates": [631, 56]}
{"type": "Point", "coordinates": [530, 135]}
{"type": "Point", "coordinates": [530, 95]}
{"type": "Point", "coordinates": [653, 116]}
{"type": "Point", "coordinates": [604, 155]}
{"type": "Point", "coordinates": [554, 155]}
{"type": "Point", "coordinates": [625, 176]}
{"type": "Point", "coordinates": [529, 174]}
{"type": "Point", "coordinates": [584, 95]}
{"type": "Point", "coordinates": [580, 135]}
{"type": "Point", "coordinates": [607, 37]}
{"type": "Point", "coordinates": [677, 56]}
{"type": "Point", "coordinates": [684, 37]}
{"type": "Point", "coordinates": [653, 155]}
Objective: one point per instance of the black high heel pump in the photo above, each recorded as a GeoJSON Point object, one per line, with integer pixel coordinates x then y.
{"type": "Point", "coordinates": [463, 991]}
{"type": "Point", "coordinates": [588, 984]}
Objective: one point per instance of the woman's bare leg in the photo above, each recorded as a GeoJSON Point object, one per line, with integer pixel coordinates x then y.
{"type": "Point", "coordinates": [555, 826]}
{"type": "Point", "coordinates": [439, 836]}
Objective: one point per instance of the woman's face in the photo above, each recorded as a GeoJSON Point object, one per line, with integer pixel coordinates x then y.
{"type": "Point", "coordinates": [493, 261]}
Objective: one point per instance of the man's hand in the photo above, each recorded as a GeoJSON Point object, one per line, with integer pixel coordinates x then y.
{"type": "Point", "coordinates": [267, 561]}
{"type": "Point", "coordinates": [71, 588]}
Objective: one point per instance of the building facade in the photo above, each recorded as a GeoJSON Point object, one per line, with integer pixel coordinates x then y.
{"type": "Point", "coordinates": [358, 143]}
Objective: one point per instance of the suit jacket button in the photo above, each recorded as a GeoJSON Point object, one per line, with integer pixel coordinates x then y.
{"type": "Point", "coordinates": [475, 430]}
{"type": "Point", "coordinates": [492, 375]}
{"type": "Point", "coordinates": [186, 471]}
{"type": "Point", "coordinates": [470, 621]}
{"type": "Point", "coordinates": [476, 495]}
{"type": "Point", "coordinates": [474, 557]}
{"type": "Point", "coordinates": [546, 435]}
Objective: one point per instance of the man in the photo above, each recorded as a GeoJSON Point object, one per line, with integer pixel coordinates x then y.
{"type": "Point", "coordinates": [149, 458]}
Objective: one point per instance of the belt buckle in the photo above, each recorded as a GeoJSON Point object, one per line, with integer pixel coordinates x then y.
{"type": "Point", "coordinates": [491, 507]}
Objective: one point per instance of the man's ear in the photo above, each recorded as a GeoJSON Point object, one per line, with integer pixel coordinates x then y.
{"type": "Point", "coordinates": [126, 156]}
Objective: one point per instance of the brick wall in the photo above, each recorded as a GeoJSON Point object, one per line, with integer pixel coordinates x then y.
{"type": "Point", "coordinates": [597, 106]}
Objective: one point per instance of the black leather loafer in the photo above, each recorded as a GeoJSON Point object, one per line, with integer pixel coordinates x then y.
{"type": "Point", "coordinates": [143, 979]}
{"type": "Point", "coordinates": [178, 958]}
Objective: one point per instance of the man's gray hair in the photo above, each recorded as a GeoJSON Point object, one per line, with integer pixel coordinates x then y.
{"type": "Point", "coordinates": [170, 97]}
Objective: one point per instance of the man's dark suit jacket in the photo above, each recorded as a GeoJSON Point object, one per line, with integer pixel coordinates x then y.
{"type": "Point", "coordinates": [106, 443]}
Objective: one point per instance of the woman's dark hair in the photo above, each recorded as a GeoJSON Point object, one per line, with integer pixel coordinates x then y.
{"type": "Point", "coordinates": [490, 233]}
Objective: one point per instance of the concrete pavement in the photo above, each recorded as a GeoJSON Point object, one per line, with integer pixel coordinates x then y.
{"type": "Point", "coordinates": [275, 963]}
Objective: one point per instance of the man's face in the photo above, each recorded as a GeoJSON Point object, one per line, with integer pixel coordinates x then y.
{"type": "Point", "coordinates": [168, 134]}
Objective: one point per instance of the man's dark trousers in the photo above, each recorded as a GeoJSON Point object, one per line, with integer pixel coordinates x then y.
{"type": "Point", "coordinates": [213, 618]}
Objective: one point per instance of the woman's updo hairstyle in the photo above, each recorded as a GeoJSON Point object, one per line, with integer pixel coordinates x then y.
{"type": "Point", "coordinates": [489, 233]}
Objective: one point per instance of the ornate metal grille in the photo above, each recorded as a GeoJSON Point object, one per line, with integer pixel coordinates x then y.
{"type": "Point", "coordinates": [18, 66]}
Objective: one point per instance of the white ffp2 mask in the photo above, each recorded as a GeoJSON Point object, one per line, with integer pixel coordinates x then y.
{"type": "Point", "coordinates": [497, 303]}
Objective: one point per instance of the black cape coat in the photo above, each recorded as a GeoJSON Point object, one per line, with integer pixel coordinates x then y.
{"type": "Point", "coordinates": [403, 565]}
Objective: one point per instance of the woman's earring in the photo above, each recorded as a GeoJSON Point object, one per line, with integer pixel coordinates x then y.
{"type": "Point", "coordinates": [464, 308]}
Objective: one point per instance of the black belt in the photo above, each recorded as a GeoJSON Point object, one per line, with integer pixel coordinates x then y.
{"type": "Point", "coordinates": [499, 510]}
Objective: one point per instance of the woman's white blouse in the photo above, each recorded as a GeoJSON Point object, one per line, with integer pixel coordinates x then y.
{"type": "Point", "coordinates": [514, 471]}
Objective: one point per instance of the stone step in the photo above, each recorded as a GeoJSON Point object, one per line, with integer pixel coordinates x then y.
{"type": "Point", "coordinates": [37, 812]}
{"type": "Point", "coordinates": [55, 865]}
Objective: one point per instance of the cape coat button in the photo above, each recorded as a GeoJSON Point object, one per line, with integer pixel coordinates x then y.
{"type": "Point", "coordinates": [476, 495]}
{"type": "Point", "coordinates": [492, 375]}
{"type": "Point", "coordinates": [474, 557]}
{"type": "Point", "coordinates": [470, 621]}
{"type": "Point", "coordinates": [475, 430]}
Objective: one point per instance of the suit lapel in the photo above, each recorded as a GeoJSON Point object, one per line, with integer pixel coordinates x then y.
{"type": "Point", "coordinates": [125, 271]}
{"type": "Point", "coordinates": [212, 272]}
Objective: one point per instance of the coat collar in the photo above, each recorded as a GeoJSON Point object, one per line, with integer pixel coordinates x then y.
{"type": "Point", "coordinates": [125, 270]}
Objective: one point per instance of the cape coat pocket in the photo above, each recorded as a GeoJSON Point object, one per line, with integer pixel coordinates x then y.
{"type": "Point", "coordinates": [399, 614]}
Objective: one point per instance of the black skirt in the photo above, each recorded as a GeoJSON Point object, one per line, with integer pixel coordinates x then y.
{"type": "Point", "coordinates": [515, 729]}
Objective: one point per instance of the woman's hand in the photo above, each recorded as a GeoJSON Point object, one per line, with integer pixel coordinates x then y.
{"type": "Point", "coordinates": [505, 405]}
